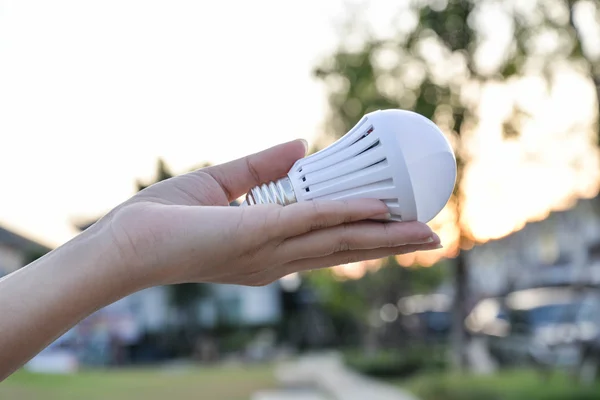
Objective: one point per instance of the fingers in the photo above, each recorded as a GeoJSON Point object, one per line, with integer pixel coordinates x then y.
{"type": "Point", "coordinates": [357, 236]}
{"type": "Point", "coordinates": [352, 256]}
{"type": "Point", "coordinates": [239, 176]}
{"type": "Point", "coordinates": [300, 218]}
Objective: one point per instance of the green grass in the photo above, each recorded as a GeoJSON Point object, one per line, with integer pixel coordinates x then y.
{"type": "Point", "coordinates": [223, 383]}
{"type": "Point", "coordinates": [509, 385]}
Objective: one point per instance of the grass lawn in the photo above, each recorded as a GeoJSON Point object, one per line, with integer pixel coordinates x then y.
{"type": "Point", "coordinates": [223, 383]}
{"type": "Point", "coordinates": [508, 385]}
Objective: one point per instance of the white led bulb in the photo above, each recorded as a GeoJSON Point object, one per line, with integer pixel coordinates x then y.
{"type": "Point", "coordinates": [397, 156]}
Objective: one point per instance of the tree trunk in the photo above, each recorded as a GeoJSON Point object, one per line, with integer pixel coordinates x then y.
{"type": "Point", "coordinates": [596, 79]}
{"type": "Point", "coordinates": [594, 66]}
{"type": "Point", "coordinates": [458, 338]}
{"type": "Point", "coordinates": [370, 340]}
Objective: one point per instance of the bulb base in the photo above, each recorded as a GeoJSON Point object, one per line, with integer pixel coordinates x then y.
{"type": "Point", "coordinates": [276, 192]}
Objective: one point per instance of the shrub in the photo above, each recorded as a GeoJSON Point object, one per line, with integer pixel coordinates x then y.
{"type": "Point", "coordinates": [398, 363]}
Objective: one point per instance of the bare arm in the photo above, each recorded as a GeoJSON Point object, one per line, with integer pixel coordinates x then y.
{"type": "Point", "coordinates": [182, 230]}
{"type": "Point", "coordinates": [40, 302]}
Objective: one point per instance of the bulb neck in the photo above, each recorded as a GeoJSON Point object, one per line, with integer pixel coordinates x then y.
{"type": "Point", "coordinates": [276, 192]}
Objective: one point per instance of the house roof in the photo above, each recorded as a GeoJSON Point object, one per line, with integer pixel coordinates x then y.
{"type": "Point", "coordinates": [15, 240]}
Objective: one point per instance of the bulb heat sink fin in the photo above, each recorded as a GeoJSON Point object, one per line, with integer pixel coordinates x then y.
{"type": "Point", "coordinates": [396, 156]}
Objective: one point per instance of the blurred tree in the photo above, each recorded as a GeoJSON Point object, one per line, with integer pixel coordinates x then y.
{"type": "Point", "coordinates": [362, 299]}
{"type": "Point", "coordinates": [32, 255]}
{"type": "Point", "coordinates": [583, 28]}
{"type": "Point", "coordinates": [437, 63]}
{"type": "Point", "coordinates": [162, 173]}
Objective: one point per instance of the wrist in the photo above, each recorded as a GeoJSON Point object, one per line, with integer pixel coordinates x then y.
{"type": "Point", "coordinates": [107, 262]}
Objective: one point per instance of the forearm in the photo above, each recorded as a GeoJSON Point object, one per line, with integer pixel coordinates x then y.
{"type": "Point", "coordinates": [71, 282]}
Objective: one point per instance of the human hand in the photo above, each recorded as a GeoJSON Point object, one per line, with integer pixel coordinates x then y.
{"type": "Point", "coordinates": [182, 229]}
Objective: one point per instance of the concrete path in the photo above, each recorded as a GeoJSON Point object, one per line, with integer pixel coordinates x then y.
{"type": "Point", "coordinates": [328, 374]}
{"type": "Point", "coordinates": [286, 394]}
{"type": "Point", "coordinates": [479, 357]}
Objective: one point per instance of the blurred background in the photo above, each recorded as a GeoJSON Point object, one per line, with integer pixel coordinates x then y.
{"type": "Point", "coordinates": [100, 99]}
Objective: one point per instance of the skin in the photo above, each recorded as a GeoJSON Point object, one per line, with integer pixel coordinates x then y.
{"type": "Point", "coordinates": [182, 230]}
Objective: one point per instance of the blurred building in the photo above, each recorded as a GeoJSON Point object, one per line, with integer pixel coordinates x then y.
{"type": "Point", "coordinates": [16, 251]}
{"type": "Point", "coordinates": [563, 248]}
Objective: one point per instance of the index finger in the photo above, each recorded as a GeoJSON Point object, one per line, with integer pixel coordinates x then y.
{"type": "Point", "coordinates": [300, 218]}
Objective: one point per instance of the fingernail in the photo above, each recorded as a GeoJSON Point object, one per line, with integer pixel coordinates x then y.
{"type": "Point", "coordinates": [305, 143]}
{"type": "Point", "coordinates": [439, 246]}
{"type": "Point", "coordinates": [424, 241]}
{"type": "Point", "coordinates": [384, 217]}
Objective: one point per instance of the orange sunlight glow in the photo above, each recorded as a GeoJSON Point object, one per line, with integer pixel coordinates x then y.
{"type": "Point", "coordinates": [355, 270]}
{"type": "Point", "coordinates": [509, 182]}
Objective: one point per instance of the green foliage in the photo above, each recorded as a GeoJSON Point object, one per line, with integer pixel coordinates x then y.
{"type": "Point", "coordinates": [358, 83]}
{"type": "Point", "coordinates": [434, 67]}
{"type": "Point", "coordinates": [354, 298]}
{"type": "Point", "coordinates": [398, 363]}
{"type": "Point", "coordinates": [507, 385]}
{"type": "Point", "coordinates": [233, 338]}
{"type": "Point", "coordinates": [184, 294]}
{"type": "Point", "coordinates": [424, 280]}
{"type": "Point", "coordinates": [400, 72]}
{"type": "Point", "coordinates": [216, 382]}
{"type": "Point", "coordinates": [338, 297]}
{"type": "Point", "coordinates": [33, 255]}
{"type": "Point", "coordinates": [162, 173]}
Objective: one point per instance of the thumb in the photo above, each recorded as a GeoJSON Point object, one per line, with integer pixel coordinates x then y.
{"type": "Point", "coordinates": [238, 177]}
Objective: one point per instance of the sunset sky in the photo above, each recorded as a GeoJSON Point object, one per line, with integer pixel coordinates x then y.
{"type": "Point", "coordinates": [92, 93]}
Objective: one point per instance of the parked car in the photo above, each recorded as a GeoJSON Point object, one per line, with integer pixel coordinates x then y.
{"type": "Point", "coordinates": [551, 326]}
{"type": "Point", "coordinates": [430, 314]}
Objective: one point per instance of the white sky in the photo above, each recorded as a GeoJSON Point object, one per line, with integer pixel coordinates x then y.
{"type": "Point", "coordinates": [93, 92]}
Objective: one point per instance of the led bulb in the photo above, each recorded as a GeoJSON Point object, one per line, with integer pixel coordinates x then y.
{"type": "Point", "coordinates": [396, 156]}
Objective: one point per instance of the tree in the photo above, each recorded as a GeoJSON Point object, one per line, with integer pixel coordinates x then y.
{"type": "Point", "coordinates": [433, 65]}
{"type": "Point", "coordinates": [360, 300]}
{"type": "Point", "coordinates": [33, 254]}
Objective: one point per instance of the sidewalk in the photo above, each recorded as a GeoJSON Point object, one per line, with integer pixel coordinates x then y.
{"type": "Point", "coordinates": [327, 373]}
{"type": "Point", "coordinates": [479, 358]}
{"type": "Point", "coordinates": [284, 394]}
